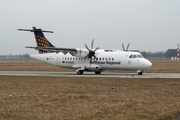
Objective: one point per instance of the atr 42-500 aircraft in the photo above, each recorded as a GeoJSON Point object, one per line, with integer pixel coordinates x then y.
{"type": "Point", "coordinates": [87, 59]}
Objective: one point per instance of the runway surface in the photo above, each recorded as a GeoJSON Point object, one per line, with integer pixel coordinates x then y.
{"type": "Point", "coordinates": [90, 74]}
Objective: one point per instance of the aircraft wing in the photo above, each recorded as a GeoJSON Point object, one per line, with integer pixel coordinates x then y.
{"type": "Point", "coordinates": [72, 51]}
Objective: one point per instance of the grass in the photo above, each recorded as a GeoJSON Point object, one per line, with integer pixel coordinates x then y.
{"type": "Point", "coordinates": [64, 98]}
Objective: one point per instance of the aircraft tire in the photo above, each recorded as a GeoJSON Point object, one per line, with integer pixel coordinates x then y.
{"type": "Point", "coordinates": [140, 73]}
{"type": "Point", "coordinates": [97, 73]}
{"type": "Point", "coordinates": [80, 72]}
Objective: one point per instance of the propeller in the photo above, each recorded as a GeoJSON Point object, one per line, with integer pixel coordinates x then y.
{"type": "Point", "coordinates": [126, 47]}
{"type": "Point", "coordinates": [91, 51]}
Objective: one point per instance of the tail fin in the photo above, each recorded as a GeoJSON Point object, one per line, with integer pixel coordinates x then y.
{"type": "Point", "coordinates": [41, 41]}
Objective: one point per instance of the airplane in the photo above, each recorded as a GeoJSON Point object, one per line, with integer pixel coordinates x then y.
{"type": "Point", "coordinates": [87, 59]}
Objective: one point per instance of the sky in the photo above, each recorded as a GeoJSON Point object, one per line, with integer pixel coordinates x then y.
{"type": "Point", "coordinates": [149, 25]}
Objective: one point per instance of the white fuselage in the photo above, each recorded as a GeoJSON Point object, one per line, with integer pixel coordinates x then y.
{"type": "Point", "coordinates": [110, 60]}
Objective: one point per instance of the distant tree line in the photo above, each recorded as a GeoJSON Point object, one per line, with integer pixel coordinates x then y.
{"type": "Point", "coordinates": [161, 54]}
{"type": "Point", "coordinates": [15, 56]}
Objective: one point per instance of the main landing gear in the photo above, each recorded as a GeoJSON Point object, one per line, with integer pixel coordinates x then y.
{"type": "Point", "coordinates": [99, 72]}
{"type": "Point", "coordinates": [80, 72]}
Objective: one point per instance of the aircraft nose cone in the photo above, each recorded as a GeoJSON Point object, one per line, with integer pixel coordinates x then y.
{"type": "Point", "coordinates": [148, 63]}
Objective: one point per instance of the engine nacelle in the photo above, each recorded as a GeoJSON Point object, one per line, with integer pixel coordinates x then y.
{"type": "Point", "coordinates": [80, 53]}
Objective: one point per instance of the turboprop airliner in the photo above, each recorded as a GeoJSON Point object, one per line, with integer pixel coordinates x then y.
{"type": "Point", "coordinates": [87, 59]}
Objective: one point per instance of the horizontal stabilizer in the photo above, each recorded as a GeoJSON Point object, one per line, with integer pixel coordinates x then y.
{"type": "Point", "coordinates": [34, 30]}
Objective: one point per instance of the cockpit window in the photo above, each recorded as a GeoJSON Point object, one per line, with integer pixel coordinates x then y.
{"type": "Point", "coordinates": [130, 56]}
{"type": "Point", "coordinates": [140, 56]}
{"type": "Point", "coordinates": [134, 56]}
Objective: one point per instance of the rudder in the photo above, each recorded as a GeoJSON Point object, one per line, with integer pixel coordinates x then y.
{"type": "Point", "coordinates": [41, 40]}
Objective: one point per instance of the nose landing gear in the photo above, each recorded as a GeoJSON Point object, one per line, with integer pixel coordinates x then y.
{"type": "Point", "coordinates": [140, 72]}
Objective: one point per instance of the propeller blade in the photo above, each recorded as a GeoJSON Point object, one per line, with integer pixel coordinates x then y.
{"type": "Point", "coordinates": [87, 47]}
{"type": "Point", "coordinates": [97, 49]}
{"type": "Point", "coordinates": [92, 44]}
{"type": "Point", "coordinates": [123, 46]}
{"type": "Point", "coordinates": [127, 46]}
{"type": "Point", "coordinates": [95, 57]}
{"type": "Point", "coordinates": [91, 52]}
{"type": "Point", "coordinates": [90, 61]}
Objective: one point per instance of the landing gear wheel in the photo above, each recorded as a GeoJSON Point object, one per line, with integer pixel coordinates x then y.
{"type": "Point", "coordinates": [80, 72]}
{"type": "Point", "coordinates": [97, 73]}
{"type": "Point", "coordinates": [140, 73]}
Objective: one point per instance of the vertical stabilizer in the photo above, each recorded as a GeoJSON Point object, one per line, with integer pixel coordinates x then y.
{"type": "Point", "coordinates": [41, 41]}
